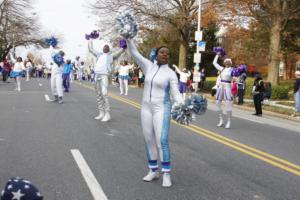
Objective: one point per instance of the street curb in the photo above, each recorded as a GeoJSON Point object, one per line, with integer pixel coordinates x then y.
{"type": "Point", "coordinates": [265, 112]}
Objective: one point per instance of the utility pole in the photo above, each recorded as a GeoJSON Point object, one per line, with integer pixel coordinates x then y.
{"type": "Point", "coordinates": [198, 38]}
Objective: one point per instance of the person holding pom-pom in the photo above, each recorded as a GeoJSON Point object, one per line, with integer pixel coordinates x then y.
{"type": "Point", "coordinates": [102, 70]}
{"type": "Point", "coordinates": [160, 84]}
{"type": "Point", "coordinates": [224, 89]}
{"type": "Point", "coordinates": [56, 74]}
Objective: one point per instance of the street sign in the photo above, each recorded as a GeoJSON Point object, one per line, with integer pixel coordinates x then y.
{"type": "Point", "coordinates": [197, 57]}
{"type": "Point", "coordinates": [198, 35]}
{"type": "Point", "coordinates": [201, 45]}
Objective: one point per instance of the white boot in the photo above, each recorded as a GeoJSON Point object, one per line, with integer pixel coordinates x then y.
{"type": "Point", "coordinates": [100, 116]}
{"type": "Point", "coordinates": [151, 176]}
{"type": "Point", "coordinates": [229, 113]}
{"type": "Point", "coordinates": [221, 122]}
{"type": "Point", "coordinates": [106, 117]}
{"type": "Point", "coordinates": [167, 180]}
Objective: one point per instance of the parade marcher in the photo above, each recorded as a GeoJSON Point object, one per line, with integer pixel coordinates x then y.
{"type": "Point", "coordinates": [224, 90]}
{"type": "Point", "coordinates": [29, 68]}
{"type": "Point", "coordinates": [297, 94]}
{"type": "Point", "coordinates": [160, 82]}
{"type": "Point", "coordinates": [66, 75]}
{"type": "Point", "coordinates": [56, 75]}
{"type": "Point", "coordinates": [81, 68]}
{"type": "Point", "coordinates": [17, 71]}
{"type": "Point", "coordinates": [123, 77]}
{"type": "Point", "coordinates": [258, 92]}
{"type": "Point", "coordinates": [184, 75]}
{"type": "Point", "coordinates": [196, 79]}
{"type": "Point", "coordinates": [102, 70]}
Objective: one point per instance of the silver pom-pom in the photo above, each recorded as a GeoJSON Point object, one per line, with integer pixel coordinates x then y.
{"type": "Point", "coordinates": [126, 25]}
{"type": "Point", "coordinates": [183, 114]}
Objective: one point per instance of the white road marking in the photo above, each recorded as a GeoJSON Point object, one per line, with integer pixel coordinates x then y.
{"type": "Point", "coordinates": [47, 97]}
{"type": "Point", "coordinates": [88, 176]}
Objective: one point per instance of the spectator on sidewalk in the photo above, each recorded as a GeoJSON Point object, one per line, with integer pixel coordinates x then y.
{"type": "Point", "coordinates": [258, 91]}
{"type": "Point", "coordinates": [297, 94]}
{"type": "Point", "coordinates": [234, 89]}
{"type": "Point", "coordinates": [241, 85]}
{"type": "Point", "coordinates": [202, 79]}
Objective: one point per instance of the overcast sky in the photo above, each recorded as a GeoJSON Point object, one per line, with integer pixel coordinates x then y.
{"type": "Point", "coordinates": [70, 19]}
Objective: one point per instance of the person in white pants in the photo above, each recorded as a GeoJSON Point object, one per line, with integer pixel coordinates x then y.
{"type": "Point", "coordinates": [17, 70]}
{"type": "Point", "coordinates": [103, 69]}
{"type": "Point", "coordinates": [160, 84]}
{"type": "Point", "coordinates": [29, 67]}
{"type": "Point", "coordinates": [224, 90]}
{"type": "Point", "coordinates": [124, 77]}
{"type": "Point", "coordinates": [56, 76]}
{"type": "Point", "coordinates": [184, 75]}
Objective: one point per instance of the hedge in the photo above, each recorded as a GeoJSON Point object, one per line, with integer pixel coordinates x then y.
{"type": "Point", "coordinates": [278, 91]}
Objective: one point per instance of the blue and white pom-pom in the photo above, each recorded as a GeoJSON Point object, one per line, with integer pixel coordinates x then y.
{"type": "Point", "coordinates": [58, 59]}
{"type": "Point", "coordinates": [183, 114]}
{"type": "Point", "coordinates": [126, 25]}
{"type": "Point", "coordinates": [52, 41]}
{"type": "Point", "coordinates": [198, 104]}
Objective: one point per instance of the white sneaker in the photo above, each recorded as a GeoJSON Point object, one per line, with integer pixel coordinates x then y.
{"type": "Point", "coordinates": [167, 180]}
{"type": "Point", "coordinates": [151, 176]}
{"type": "Point", "coordinates": [220, 123]}
{"type": "Point", "coordinates": [106, 117]}
{"type": "Point", "coordinates": [100, 116]}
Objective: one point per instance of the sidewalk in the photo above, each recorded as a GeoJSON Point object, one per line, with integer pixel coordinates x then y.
{"type": "Point", "coordinates": [265, 112]}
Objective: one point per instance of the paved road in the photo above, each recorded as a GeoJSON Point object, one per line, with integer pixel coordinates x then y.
{"type": "Point", "coordinates": [71, 156]}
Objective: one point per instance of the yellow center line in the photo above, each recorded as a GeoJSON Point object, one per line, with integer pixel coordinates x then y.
{"type": "Point", "coordinates": [268, 158]}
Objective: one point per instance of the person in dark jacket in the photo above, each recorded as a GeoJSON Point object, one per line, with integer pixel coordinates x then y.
{"type": "Point", "coordinates": [258, 92]}
{"type": "Point", "coordinates": [297, 94]}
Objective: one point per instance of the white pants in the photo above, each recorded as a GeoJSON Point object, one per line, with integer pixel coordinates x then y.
{"type": "Point", "coordinates": [18, 83]}
{"type": "Point", "coordinates": [27, 74]}
{"type": "Point", "coordinates": [123, 86]}
{"type": "Point", "coordinates": [156, 118]}
{"type": "Point", "coordinates": [101, 84]}
{"type": "Point", "coordinates": [56, 85]}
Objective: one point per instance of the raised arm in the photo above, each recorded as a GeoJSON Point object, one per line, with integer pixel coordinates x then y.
{"type": "Point", "coordinates": [91, 48]}
{"type": "Point", "coordinates": [143, 62]}
{"type": "Point", "coordinates": [215, 63]}
{"type": "Point", "coordinates": [174, 89]}
{"type": "Point", "coordinates": [12, 58]}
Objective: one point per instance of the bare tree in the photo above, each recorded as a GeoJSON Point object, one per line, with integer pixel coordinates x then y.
{"type": "Point", "coordinates": [18, 25]}
{"type": "Point", "coordinates": [273, 14]}
{"type": "Point", "coordinates": [180, 14]}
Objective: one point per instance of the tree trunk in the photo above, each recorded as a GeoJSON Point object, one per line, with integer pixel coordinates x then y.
{"type": "Point", "coordinates": [182, 56]}
{"type": "Point", "coordinates": [274, 50]}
